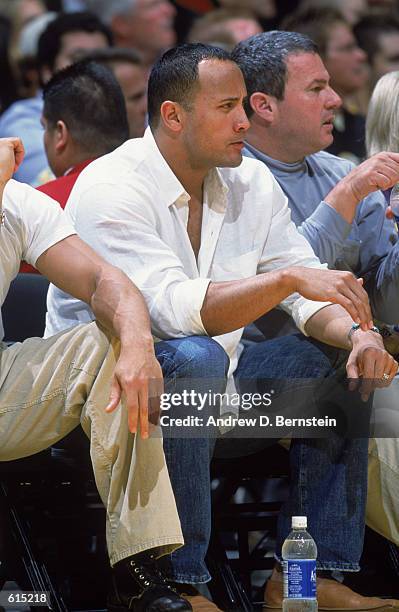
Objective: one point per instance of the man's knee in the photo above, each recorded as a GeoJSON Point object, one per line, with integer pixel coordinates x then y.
{"type": "Point", "coordinates": [197, 356]}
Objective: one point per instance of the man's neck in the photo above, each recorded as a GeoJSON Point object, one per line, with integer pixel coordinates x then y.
{"type": "Point", "coordinates": [265, 143]}
{"type": "Point", "coordinates": [192, 178]}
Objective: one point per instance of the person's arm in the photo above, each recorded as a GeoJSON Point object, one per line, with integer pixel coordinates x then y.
{"type": "Point", "coordinates": [380, 171]}
{"type": "Point", "coordinates": [116, 302]}
{"type": "Point", "coordinates": [118, 305]}
{"type": "Point", "coordinates": [368, 358]}
{"type": "Point", "coordinates": [287, 269]}
{"type": "Point", "coordinates": [328, 227]}
{"type": "Point", "coordinates": [234, 304]}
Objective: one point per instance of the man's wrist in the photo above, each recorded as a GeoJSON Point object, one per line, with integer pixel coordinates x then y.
{"type": "Point", "coordinates": [289, 279]}
{"type": "Point", "coordinates": [356, 333]}
{"type": "Point", "coordinates": [342, 198]}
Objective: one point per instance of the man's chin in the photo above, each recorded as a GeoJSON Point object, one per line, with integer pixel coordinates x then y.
{"type": "Point", "coordinates": [232, 162]}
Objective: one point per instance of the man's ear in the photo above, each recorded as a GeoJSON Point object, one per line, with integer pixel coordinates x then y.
{"type": "Point", "coordinates": [62, 136]}
{"type": "Point", "coordinates": [172, 115]}
{"type": "Point", "coordinates": [263, 105]}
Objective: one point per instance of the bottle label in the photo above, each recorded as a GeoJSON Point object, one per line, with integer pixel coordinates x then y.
{"type": "Point", "coordinates": [299, 578]}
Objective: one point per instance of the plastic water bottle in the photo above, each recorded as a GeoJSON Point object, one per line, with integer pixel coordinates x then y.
{"type": "Point", "coordinates": [394, 202]}
{"type": "Point", "coordinates": [299, 554]}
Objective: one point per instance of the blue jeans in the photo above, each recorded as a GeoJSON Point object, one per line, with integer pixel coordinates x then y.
{"type": "Point", "coordinates": [328, 475]}
{"type": "Point", "coordinates": [328, 481]}
{"type": "Point", "coordinates": [205, 362]}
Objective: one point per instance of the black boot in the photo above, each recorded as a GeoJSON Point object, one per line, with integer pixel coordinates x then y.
{"type": "Point", "coordinates": [138, 585]}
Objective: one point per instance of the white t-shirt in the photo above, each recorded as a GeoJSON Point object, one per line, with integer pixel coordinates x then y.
{"type": "Point", "coordinates": [33, 222]}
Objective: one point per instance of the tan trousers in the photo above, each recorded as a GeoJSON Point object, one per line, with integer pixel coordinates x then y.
{"type": "Point", "coordinates": [48, 387]}
{"type": "Point", "coordinates": [382, 512]}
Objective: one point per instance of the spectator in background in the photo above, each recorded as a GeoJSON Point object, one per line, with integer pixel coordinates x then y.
{"type": "Point", "coordinates": [19, 12]}
{"type": "Point", "coordinates": [378, 36]}
{"type": "Point", "coordinates": [265, 9]}
{"type": "Point", "coordinates": [25, 54]}
{"type": "Point", "coordinates": [16, 15]}
{"type": "Point", "coordinates": [351, 10]}
{"type": "Point", "coordinates": [382, 124]}
{"type": "Point", "coordinates": [224, 27]}
{"type": "Point", "coordinates": [382, 134]}
{"type": "Point", "coordinates": [130, 72]}
{"type": "Point", "coordinates": [144, 25]}
{"type": "Point", "coordinates": [346, 65]}
{"type": "Point", "coordinates": [84, 117]}
{"type": "Point", "coordinates": [63, 41]}
{"type": "Point", "coordinates": [290, 107]}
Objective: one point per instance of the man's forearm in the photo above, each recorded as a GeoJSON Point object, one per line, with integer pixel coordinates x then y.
{"type": "Point", "coordinates": [331, 326]}
{"type": "Point", "coordinates": [233, 304]}
{"type": "Point", "coordinates": [120, 306]}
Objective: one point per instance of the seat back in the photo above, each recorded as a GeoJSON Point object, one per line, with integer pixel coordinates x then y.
{"type": "Point", "coordinates": [24, 309]}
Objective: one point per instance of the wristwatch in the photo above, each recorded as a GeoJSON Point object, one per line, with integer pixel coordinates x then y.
{"type": "Point", "coordinates": [356, 326]}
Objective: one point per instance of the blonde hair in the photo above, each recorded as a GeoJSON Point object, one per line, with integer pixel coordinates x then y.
{"type": "Point", "coordinates": [382, 124]}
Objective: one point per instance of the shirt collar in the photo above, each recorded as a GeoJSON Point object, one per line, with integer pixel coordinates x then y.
{"type": "Point", "coordinates": [276, 165]}
{"type": "Point", "coordinates": [171, 190]}
{"type": "Point", "coordinates": [78, 167]}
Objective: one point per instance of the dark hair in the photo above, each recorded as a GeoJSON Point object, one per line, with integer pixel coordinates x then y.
{"type": "Point", "coordinates": [115, 55]}
{"type": "Point", "coordinates": [315, 22]}
{"type": "Point", "coordinates": [87, 98]}
{"type": "Point", "coordinates": [369, 29]}
{"type": "Point", "coordinates": [263, 61]}
{"type": "Point", "coordinates": [175, 76]}
{"type": "Point", "coordinates": [50, 41]}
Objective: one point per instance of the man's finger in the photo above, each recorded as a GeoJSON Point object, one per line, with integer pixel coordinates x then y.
{"type": "Point", "coordinates": [133, 411]}
{"type": "Point", "coordinates": [143, 415]}
{"type": "Point", "coordinates": [114, 396]}
{"type": "Point", "coordinates": [353, 375]}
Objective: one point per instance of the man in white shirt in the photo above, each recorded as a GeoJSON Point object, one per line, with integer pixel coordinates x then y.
{"type": "Point", "coordinates": [208, 239]}
{"type": "Point", "coordinates": [48, 387]}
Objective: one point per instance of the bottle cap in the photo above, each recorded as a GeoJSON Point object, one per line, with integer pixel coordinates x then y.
{"type": "Point", "coordinates": [299, 522]}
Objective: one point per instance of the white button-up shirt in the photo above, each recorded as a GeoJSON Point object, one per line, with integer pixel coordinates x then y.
{"type": "Point", "coordinates": [131, 208]}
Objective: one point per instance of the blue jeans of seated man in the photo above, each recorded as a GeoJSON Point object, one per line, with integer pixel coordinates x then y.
{"type": "Point", "coordinates": [203, 360]}
{"type": "Point", "coordinates": [328, 475]}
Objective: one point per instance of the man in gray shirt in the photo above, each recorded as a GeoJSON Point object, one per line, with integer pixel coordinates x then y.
{"type": "Point", "coordinates": [337, 207]}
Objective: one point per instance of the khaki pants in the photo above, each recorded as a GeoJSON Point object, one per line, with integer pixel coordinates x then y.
{"type": "Point", "coordinates": [382, 511]}
{"type": "Point", "coordinates": [48, 387]}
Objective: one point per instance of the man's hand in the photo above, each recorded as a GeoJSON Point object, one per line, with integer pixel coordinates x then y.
{"type": "Point", "coordinates": [138, 377]}
{"type": "Point", "coordinates": [337, 287]}
{"type": "Point", "coordinates": [380, 171]}
{"type": "Point", "coordinates": [11, 156]}
{"type": "Point", "coordinates": [369, 360]}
